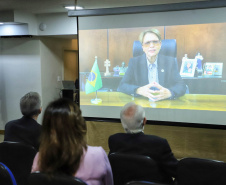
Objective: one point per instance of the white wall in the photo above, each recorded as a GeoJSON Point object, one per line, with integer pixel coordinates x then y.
{"type": "Point", "coordinates": [20, 73]}
{"type": "Point", "coordinates": [28, 18]}
{"type": "Point", "coordinates": [33, 64]}
{"type": "Point", "coordinates": [29, 24]}
{"type": "Point", "coordinates": [30, 64]}
{"type": "Point", "coordinates": [57, 24]}
{"type": "Point", "coordinates": [52, 65]}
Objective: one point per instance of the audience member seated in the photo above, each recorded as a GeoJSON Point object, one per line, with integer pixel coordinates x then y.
{"type": "Point", "coordinates": [63, 148]}
{"type": "Point", "coordinates": [26, 129]}
{"type": "Point", "coordinates": [134, 141]}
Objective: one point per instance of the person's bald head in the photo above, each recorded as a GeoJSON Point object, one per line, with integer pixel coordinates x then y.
{"type": "Point", "coordinates": [133, 117]}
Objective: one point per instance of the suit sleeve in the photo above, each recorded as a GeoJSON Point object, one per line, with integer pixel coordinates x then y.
{"type": "Point", "coordinates": [177, 85]}
{"type": "Point", "coordinates": [6, 135]}
{"type": "Point", "coordinates": [127, 84]}
{"type": "Point", "coordinates": [112, 144]}
{"type": "Point", "coordinates": [168, 161]}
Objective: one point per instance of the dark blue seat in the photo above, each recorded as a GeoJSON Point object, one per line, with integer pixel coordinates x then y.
{"type": "Point", "coordinates": [18, 157]}
{"type": "Point", "coordinates": [6, 176]}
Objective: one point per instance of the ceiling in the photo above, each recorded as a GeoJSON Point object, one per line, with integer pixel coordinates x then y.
{"type": "Point", "coordinates": [57, 6]}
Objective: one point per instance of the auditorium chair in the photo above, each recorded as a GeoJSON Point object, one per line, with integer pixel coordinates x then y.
{"type": "Point", "coordinates": [197, 171]}
{"type": "Point", "coordinates": [126, 167]}
{"type": "Point", "coordinates": [18, 157]}
{"type": "Point", "coordinates": [6, 176]}
{"type": "Point", "coordinates": [38, 178]}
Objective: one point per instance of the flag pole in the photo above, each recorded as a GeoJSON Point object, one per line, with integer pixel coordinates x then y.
{"type": "Point", "coordinates": [96, 100]}
{"type": "Point", "coordinates": [94, 82]}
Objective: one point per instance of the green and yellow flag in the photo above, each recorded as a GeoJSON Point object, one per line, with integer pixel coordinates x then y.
{"type": "Point", "coordinates": [94, 81]}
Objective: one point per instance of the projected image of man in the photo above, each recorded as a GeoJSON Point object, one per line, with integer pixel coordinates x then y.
{"type": "Point", "coordinates": [152, 75]}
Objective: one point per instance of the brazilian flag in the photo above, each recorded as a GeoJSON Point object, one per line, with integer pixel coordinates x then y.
{"type": "Point", "coordinates": [94, 81]}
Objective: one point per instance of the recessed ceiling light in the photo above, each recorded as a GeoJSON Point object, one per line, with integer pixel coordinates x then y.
{"type": "Point", "coordinates": [79, 7]}
{"type": "Point", "coordinates": [74, 7]}
{"type": "Point", "coordinates": [70, 7]}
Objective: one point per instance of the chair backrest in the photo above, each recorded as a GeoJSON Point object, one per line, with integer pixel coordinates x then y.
{"type": "Point", "coordinates": [126, 167]}
{"type": "Point", "coordinates": [143, 183]}
{"type": "Point", "coordinates": [169, 48]}
{"type": "Point", "coordinates": [6, 176]}
{"type": "Point", "coordinates": [38, 178]}
{"type": "Point", "coordinates": [198, 171]}
{"type": "Point", "coordinates": [18, 157]}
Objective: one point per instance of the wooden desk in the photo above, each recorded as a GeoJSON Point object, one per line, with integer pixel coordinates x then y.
{"type": "Point", "coordinates": [196, 85]}
{"type": "Point", "coordinates": [188, 101]}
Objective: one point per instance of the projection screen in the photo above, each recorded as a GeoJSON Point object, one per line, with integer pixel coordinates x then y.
{"type": "Point", "coordinates": [107, 43]}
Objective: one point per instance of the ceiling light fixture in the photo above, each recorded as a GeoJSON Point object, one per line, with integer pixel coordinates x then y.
{"type": "Point", "coordinates": [79, 7]}
{"type": "Point", "coordinates": [70, 7]}
{"type": "Point", "coordinates": [73, 7]}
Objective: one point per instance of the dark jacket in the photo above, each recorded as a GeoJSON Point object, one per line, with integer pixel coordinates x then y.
{"type": "Point", "coordinates": [25, 130]}
{"type": "Point", "coordinates": [155, 147]}
{"type": "Point", "coordinates": [137, 75]}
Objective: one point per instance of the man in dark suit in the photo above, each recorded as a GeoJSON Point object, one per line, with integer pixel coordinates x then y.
{"type": "Point", "coordinates": [152, 75]}
{"type": "Point", "coordinates": [134, 141]}
{"type": "Point", "coordinates": [26, 129]}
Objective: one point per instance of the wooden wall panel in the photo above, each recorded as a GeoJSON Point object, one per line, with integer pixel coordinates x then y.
{"type": "Point", "coordinates": [208, 39]}
{"type": "Point", "coordinates": [92, 43]}
{"type": "Point", "coordinates": [121, 44]}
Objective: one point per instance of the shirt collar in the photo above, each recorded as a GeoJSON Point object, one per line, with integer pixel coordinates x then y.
{"type": "Point", "coordinates": [148, 63]}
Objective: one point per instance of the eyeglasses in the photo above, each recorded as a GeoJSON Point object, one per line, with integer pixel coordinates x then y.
{"type": "Point", "coordinates": [154, 42]}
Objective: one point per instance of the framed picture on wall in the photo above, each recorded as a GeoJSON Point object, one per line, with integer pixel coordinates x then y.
{"type": "Point", "coordinates": [188, 67]}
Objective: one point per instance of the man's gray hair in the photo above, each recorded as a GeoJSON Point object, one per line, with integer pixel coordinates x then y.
{"type": "Point", "coordinates": [132, 118]}
{"type": "Point", "coordinates": [30, 104]}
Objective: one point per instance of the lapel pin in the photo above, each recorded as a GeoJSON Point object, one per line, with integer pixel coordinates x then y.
{"type": "Point", "coordinates": [162, 70]}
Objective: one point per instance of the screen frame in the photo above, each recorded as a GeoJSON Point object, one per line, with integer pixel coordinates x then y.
{"type": "Point", "coordinates": [150, 9]}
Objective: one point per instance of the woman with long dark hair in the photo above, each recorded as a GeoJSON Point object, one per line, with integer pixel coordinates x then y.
{"type": "Point", "coordinates": [63, 148]}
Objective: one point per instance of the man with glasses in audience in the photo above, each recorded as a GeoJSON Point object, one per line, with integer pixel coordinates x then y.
{"type": "Point", "coordinates": [26, 129]}
{"type": "Point", "coordinates": [134, 141]}
{"type": "Point", "coordinates": [152, 75]}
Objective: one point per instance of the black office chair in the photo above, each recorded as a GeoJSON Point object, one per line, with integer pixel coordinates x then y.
{"type": "Point", "coordinates": [38, 178]}
{"type": "Point", "coordinates": [143, 183]}
{"type": "Point", "coordinates": [6, 176]}
{"type": "Point", "coordinates": [196, 171]}
{"type": "Point", "coordinates": [126, 167]}
{"type": "Point", "coordinates": [169, 48]}
{"type": "Point", "coordinates": [18, 158]}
